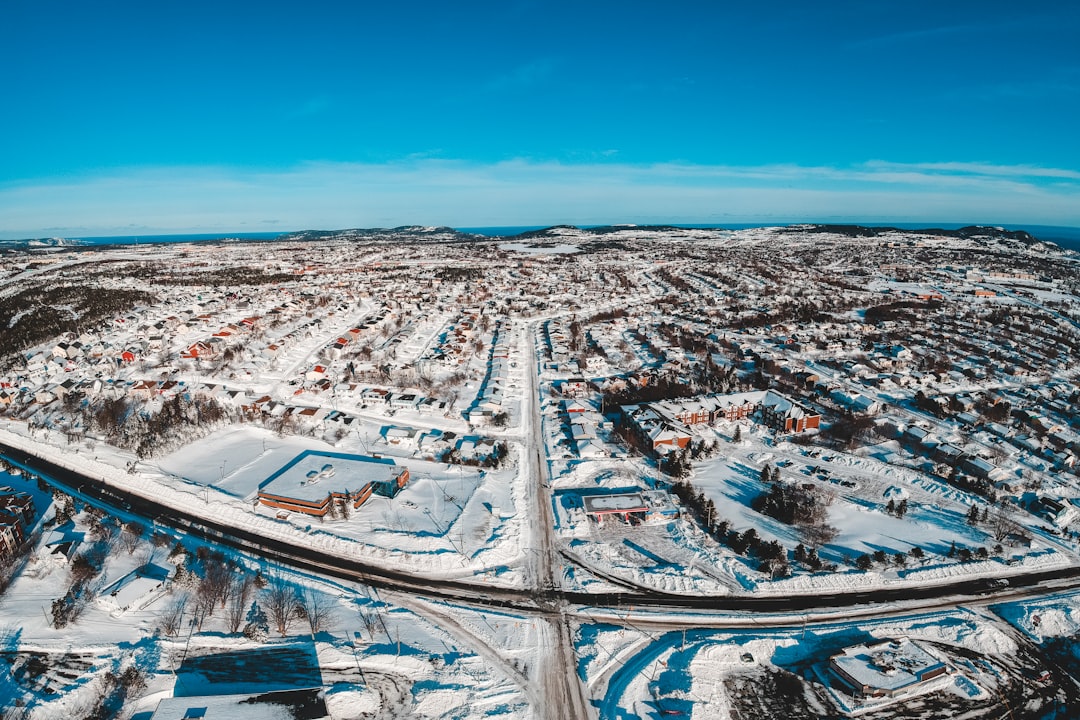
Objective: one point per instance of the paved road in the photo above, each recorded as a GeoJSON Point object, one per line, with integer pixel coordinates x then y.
{"type": "Point", "coordinates": [525, 600]}
{"type": "Point", "coordinates": [561, 693]}
{"type": "Point", "coordinates": [564, 694]}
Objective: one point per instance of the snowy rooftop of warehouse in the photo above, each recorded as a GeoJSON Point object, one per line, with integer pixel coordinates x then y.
{"type": "Point", "coordinates": [313, 474]}
{"type": "Point", "coordinates": [627, 502]}
{"type": "Point", "coordinates": [889, 665]}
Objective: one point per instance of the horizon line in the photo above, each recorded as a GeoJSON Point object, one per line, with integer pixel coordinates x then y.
{"type": "Point", "coordinates": [523, 192]}
{"type": "Point", "coordinates": [200, 234]}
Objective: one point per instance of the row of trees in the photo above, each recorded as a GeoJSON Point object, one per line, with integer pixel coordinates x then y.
{"type": "Point", "coordinates": [866, 562]}
{"type": "Point", "coordinates": [129, 424]}
{"type": "Point", "coordinates": [494, 459]}
{"type": "Point", "coordinates": [250, 603]}
{"type": "Point", "coordinates": [772, 554]}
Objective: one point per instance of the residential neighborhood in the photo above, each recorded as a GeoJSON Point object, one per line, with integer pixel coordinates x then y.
{"type": "Point", "coordinates": [533, 428]}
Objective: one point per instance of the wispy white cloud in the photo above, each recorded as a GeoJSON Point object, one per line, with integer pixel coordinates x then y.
{"type": "Point", "coordinates": [973, 168]}
{"type": "Point", "coordinates": [521, 192]}
{"type": "Point", "coordinates": [908, 36]}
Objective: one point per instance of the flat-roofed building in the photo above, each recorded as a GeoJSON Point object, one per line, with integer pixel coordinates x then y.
{"type": "Point", "coordinates": [313, 482]}
{"type": "Point", "coordinates": [888, 668]}
{"type": "Point", "coordinates": [622, 504]}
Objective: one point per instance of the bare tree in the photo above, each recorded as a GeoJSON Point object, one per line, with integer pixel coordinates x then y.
{"type": "Point", "coordinates": [816, 534]}
{"type": "Point", "coordinates": [131, 534]}
{"type": "Point", "coordinates": [217, 579]}
{"type": "Point", "coordinates": [1001, 525]}
{"type": "Point", "coordinates": [316, 610]}
{"type": "Point", "coordinates": [281, 601]}
{"type": "Point", "coordinates": [171, 616]}
{"type": "Point", "coordinates": [370, 619]}
{"type": "Point", "coordinates": [204, 603]}
{"type": "Point", "coordinates": [236, 606]}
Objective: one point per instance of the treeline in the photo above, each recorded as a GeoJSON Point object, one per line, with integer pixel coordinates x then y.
{"type": "Point", "coordinates": [705, 378]}
{"type": "Point", "coordinates": [459, 274]}
{"type": "Point", "coordinates": [128, 424]}
{"type": "Point", "coordinates": [33, 316]}
{"type": "Point", "coordinates": [212, 276]}
{"type": "Point", "coordinates": [801, 312]}
{"type": "Point", "coordinates": [907, 310]}
{"type": "Point", "coordinates": [771, 554]}
{"type": "Point", "coordinates": [801, 505]}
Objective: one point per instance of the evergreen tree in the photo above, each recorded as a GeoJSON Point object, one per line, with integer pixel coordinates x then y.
{"type": "Point", "coordinates": [901, 509]}
{"type": "Point", "coordinates": [737, 437]}
{"type": "Point", "coordinates": [258, 626]}
{"type": "Point", "coordinates": [891, 507]}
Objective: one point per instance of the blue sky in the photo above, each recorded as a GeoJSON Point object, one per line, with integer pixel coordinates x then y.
{"type": "Point", "coordinates": [141, 117]}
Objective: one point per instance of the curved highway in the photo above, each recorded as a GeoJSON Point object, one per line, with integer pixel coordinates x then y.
{"type": "Point", "coordinates": [538, 599]}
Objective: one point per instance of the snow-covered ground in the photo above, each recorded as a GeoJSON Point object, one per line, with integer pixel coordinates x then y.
{"type": "Point", "coordinates": [677, 556]}
{"type": "Point", "coordinates": [449, 521]}
{"type": "Point", "coordinates": [373, 655]}
{"type": "Point", "coordinates": [700, 672]}
{"type": "Point", "coordinates": [419, 352]}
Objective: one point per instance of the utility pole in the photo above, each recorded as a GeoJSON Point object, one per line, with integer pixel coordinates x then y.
{"type": "Point", "coordinates": [356, 657]}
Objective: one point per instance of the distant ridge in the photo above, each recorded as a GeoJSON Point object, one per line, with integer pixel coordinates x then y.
{"type": "Point", "coordinates": [965, 232]}
{"type": "Point", "coordinates": [415, 232]}
{"type": "Point", "coordinates": [554, 230]}
{"type": "Point", "coordinates": [1066, 238]}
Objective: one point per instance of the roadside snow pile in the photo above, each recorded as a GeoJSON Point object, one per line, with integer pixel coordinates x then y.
{"type": "Point", "coordinates": [963, 629]}
{"type": "Point", "coordinates": [1041, 620]}
{"type": "Point", "coordinates": [821, 582]}
{"type": "Point", "coordinates": [1045, 560]}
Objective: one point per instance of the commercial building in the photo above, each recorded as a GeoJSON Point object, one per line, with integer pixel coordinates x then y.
{"type": "Point", "coordinates": [315, 482]}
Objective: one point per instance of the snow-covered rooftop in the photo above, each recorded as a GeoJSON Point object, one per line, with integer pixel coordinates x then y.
{"type": "Point", "coordinates": [312, 475]}
{"type": "Point", "coordinates": [888, 666]}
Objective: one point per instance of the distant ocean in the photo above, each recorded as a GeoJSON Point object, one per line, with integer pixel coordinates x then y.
{"type": "Point", "coordinates": [1067, 237]}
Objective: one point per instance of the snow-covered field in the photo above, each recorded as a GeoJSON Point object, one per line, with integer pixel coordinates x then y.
{"type": "Point", "coordinates": [676, 556]}
{"type": "Point", "coordinates": [449, 521]}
